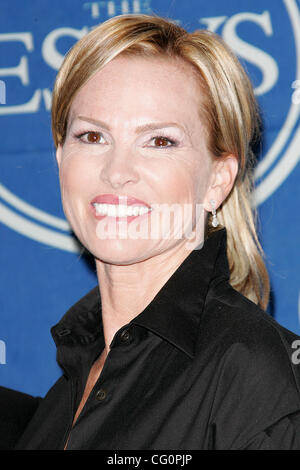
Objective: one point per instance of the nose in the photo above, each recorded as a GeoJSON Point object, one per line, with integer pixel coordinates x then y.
{"type": "Point", "coordinates": [119, 169]}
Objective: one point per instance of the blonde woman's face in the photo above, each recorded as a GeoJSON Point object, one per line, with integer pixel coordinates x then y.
{"type": "Point", "coordinates": [135, 160]}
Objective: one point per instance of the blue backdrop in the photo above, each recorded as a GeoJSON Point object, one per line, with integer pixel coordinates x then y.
{"type": "Point", "coordinates": [42, 272]}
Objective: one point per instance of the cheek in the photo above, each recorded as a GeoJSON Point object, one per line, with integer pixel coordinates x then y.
{"type": "Point", "coordinates": [200, 176]}
{"type": "Point", "coordinates": [185, 181]}
{"type": "Point", "coordinates": [75, 175]}
{"type": "Point", "coordinates": [76, 179]}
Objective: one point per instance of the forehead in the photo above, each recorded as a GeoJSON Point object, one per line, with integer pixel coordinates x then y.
{"type": "Point", "coordinates": [129, 84]}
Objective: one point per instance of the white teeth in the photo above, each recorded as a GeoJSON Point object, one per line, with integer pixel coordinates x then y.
{"type": "Point", "coordinates": [121, 210]}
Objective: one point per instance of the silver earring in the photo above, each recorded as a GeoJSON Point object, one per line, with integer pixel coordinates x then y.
{"type": "Point", "coordinates": [215, 221]}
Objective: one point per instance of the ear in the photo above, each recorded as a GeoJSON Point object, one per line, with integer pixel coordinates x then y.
{"type": "Point", "coordinates": [58, 154]}
{"type": "Point", "coordinates": [222, 180]}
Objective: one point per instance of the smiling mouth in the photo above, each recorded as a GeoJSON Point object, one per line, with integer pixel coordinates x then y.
{"type": "Point", "coordinates": [119, 207]}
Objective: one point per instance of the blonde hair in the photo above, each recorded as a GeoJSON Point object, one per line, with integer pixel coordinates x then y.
{"type": "Point", "coordinates": [231, 117]}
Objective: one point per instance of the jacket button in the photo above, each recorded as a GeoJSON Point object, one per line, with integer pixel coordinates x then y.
{"type": "Point", "coordinates": [101, 394]}
{"type": "Point", "coordinates": [125, 336]}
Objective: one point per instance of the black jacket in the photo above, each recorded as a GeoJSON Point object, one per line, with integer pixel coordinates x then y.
{"type": "Point", "coordinates": [16, 410]}
{"type": "Point", "coordinates": [202, 367]}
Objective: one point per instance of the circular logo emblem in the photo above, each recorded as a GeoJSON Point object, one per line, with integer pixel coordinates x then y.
{"type": "Point", "coordinates": [283, 155]}
{"type": "Point", "coordinates": [26, 202]}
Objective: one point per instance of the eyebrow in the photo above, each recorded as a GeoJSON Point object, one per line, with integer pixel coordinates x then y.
{"type": "Point", "coordinates": [151, 126]}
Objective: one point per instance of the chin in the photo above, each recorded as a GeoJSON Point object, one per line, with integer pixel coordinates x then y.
{"type": "Point", "coordinates": [120, 251]}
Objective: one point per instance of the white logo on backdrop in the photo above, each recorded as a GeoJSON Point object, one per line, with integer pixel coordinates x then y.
{"type": "Point", "coordinates": [269, 70]}
{"type": "Point", "coordinates": [44, 227]}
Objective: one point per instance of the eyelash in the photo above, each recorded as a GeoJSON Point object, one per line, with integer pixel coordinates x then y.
{"type": "Point", "coordinates": [81, 134]}
{"type": "Point", "coordinates": [173, 143]}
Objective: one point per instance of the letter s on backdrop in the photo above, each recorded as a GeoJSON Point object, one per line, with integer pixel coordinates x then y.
{"type": "Point", "coordinates": [252, 54]}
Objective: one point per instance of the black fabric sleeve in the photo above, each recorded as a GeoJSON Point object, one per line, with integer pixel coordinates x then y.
{"type": "Point", "coordinates": [16, 410]}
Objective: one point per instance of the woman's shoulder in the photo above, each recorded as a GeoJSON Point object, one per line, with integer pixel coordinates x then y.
{"type": "Point", "coordinates": [256, 338]}
{"type": "Point", "coordinates": [256, 366]}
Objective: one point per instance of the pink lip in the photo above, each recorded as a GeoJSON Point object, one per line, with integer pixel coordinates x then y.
{"type": "Point", "coordinates": [115, 199]}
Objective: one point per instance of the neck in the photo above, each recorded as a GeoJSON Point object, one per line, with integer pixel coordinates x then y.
{"type": "Point", "coordinates": [126, 290]}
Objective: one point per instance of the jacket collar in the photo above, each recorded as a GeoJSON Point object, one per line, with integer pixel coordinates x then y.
{"type": "Point", "coordinates": [175, 312]}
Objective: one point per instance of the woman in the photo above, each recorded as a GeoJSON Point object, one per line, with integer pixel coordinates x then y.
{"type": "Point", "coordinates": [154, 130]}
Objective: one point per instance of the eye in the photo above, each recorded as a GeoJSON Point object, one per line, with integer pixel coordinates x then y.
{"type": "Point", "coordinates": [162, 141]}
{"type": "Point", "coordinates": [90, 137]}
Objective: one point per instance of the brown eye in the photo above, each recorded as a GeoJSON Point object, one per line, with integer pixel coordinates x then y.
{"type": "Point", "coordinates": [93, 137]}
{"type": "Point", "coordinates": [161, 141]}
